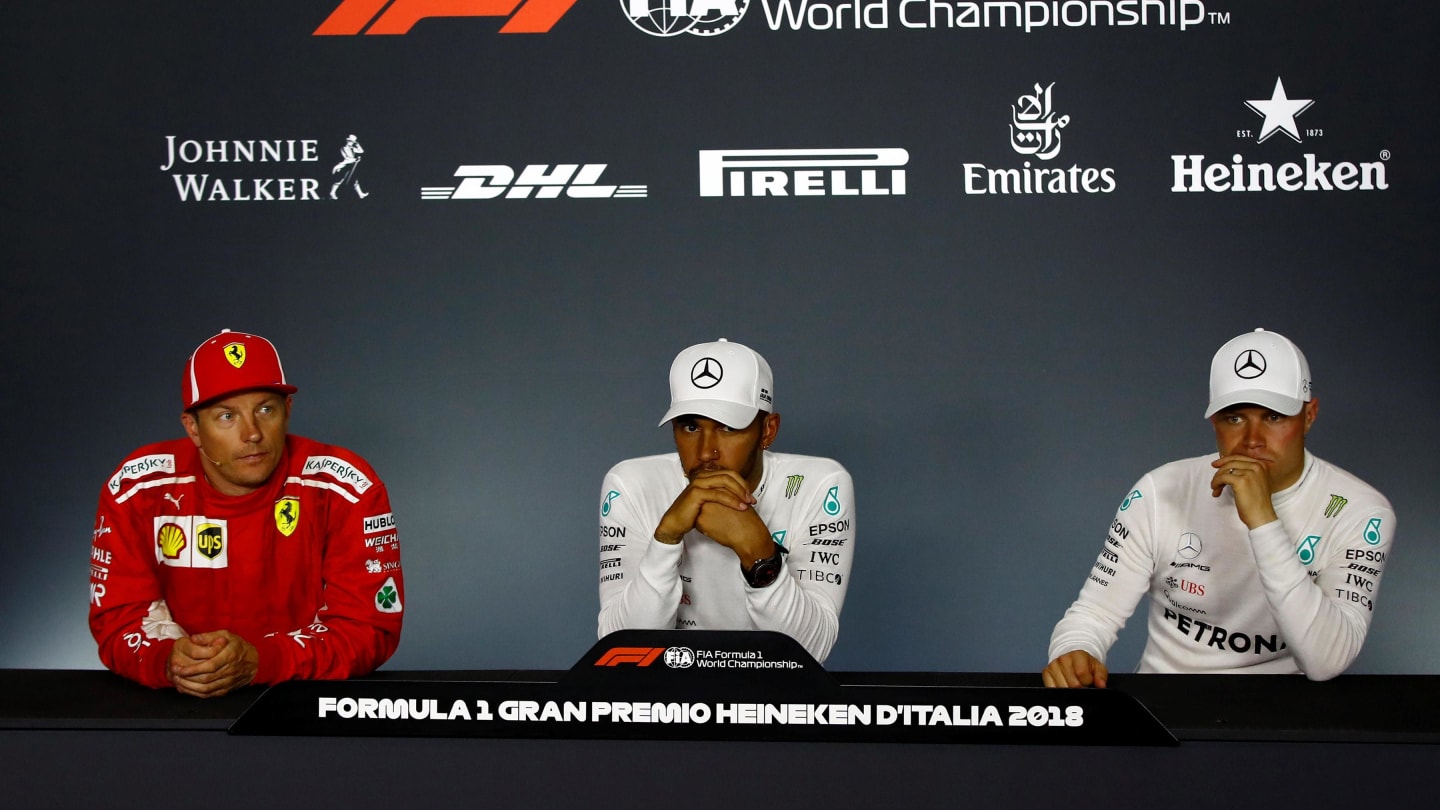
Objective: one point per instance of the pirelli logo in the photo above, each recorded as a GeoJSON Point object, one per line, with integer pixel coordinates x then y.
{"type": "Point", "coordinates": [639, 656]}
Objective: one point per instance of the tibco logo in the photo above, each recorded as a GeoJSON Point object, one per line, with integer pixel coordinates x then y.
{"type": "Point", "coordinates": [395, 17]}
{"type": "Point", "coordinates": [639, 656]}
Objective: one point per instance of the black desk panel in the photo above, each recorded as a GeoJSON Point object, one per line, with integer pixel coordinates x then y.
{"type": "Point", "coordinates": [89, 738]}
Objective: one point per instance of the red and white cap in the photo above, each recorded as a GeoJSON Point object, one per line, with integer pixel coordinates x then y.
{"type": "Point", "coordinates": [1259, 368]}
{"type": "Point", "coordinates": [230, 362]}
{"type": "Point", "coordinates": [724, 381]}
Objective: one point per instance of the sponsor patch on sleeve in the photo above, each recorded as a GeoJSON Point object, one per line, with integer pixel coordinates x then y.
{"type": "Point", "coordinates": [339, 469]}
{"type": "Point", "coordinates": [379, 523]}
{"type": "Point", "coordinates": [387, 599]}
{"type": "Point", "coordinates": [141, 467]}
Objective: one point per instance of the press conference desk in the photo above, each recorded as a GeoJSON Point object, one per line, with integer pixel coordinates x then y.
{"type": "Point", "coordinates": [72, 738]}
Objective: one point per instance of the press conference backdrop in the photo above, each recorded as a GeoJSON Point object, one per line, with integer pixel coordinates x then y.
{"type": "Point", "coordinates": [988, 248]}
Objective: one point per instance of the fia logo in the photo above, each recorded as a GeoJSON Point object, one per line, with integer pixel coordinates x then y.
{"type": "Point", "coordinates": [670, 18]}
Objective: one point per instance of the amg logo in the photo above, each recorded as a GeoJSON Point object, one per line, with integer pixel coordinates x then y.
{"type": "Point", "coordinates": [487, 182]}
{"type": "Point", "coordinates": [379, 523]}
{"type": "Point", "coordinates": [802, 172]}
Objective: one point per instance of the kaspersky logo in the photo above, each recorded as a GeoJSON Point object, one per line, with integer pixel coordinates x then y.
{"type": "Point", "coordinates": [397, 17]}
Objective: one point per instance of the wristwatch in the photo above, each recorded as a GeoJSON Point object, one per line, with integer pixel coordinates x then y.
{"type": "Point", "coordinates": [765, 571]}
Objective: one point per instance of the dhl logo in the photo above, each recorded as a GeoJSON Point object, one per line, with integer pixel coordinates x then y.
{"type": "Point", "coordinates": [397, 17]}
{"type": "Point", "coordinates": [639, 656]}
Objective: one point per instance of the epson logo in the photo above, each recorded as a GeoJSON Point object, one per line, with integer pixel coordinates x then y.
{"type": "Point", "coordinates": [802, 172]}
{"type": "Point", "coordinates": [546, 182]}
{"type": "Point", "coordinates": [379, 523]}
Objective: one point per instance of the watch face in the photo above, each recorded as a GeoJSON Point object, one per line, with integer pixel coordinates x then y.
{"type": "Point", "coordinates": [764, 572]}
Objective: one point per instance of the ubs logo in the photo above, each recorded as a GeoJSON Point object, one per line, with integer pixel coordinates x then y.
{"type": "Point", "coordinates": [1249, 365]}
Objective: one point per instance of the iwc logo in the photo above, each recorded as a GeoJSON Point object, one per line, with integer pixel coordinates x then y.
{"type": "Point", "coordinates": [679, 657]}
{"type": "Point", "coordinates": [669, 18]}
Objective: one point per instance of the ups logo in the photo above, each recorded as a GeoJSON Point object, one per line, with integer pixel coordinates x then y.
{"type": "Point", "coordinates": [210, 540]}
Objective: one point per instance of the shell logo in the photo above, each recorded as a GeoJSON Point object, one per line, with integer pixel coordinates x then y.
{"type": "Point", "coordinates": [171, 539]}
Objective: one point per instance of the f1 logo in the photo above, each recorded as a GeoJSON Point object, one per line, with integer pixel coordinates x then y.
{"type": "Point", "coordinates": [398, 16]}
{"type": "Point", "coordinates": [639, 656]}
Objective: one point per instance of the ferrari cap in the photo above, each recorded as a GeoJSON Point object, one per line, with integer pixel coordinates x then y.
{"type": "Point", "coordinates": [230, 362]}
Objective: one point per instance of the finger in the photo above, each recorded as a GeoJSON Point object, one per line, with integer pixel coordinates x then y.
{"type": "Point", "coordinates": [729, 479]}
{"type": "Point", "coordinates": [203, 690]}
{"type": "Point", "coordinates": [719, 495]}
{"type": "Point", "coordinates": [1102, 675]}
{"type": "Point", "coordinates": [217, 663]}
{"type": "Point", "coordinates": [1047, 678]}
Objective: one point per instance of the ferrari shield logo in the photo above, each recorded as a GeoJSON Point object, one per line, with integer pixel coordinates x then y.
{"type": "Point", "coordinates": [287, 515]}
{"type": "Point", "coordinates": [235, 353]}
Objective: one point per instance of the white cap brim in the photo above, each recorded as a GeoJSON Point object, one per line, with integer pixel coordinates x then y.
{"type": "Point", "coordinates": [731, 414]}
{"type": "Point", "coordinates": [1278, 403]}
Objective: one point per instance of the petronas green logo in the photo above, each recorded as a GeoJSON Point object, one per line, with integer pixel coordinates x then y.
{"type": "Point", "coordinates": [832, 501]}
{"type": "Point", "coordinates": [778, 537]}
{"type": "Point", "coordinates": [1306, 551]}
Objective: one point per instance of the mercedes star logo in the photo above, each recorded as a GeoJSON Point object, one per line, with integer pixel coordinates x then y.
{"type": "Point", "coordinates": [1249, 365]}
{"type": "Point", "coordinates": [706, 373]}
{"type": "Point", "coordinates": [1190, 545]}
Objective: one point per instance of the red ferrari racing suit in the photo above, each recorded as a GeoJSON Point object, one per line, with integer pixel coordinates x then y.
{"type": "Point", "coordinates": [306, 568]}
